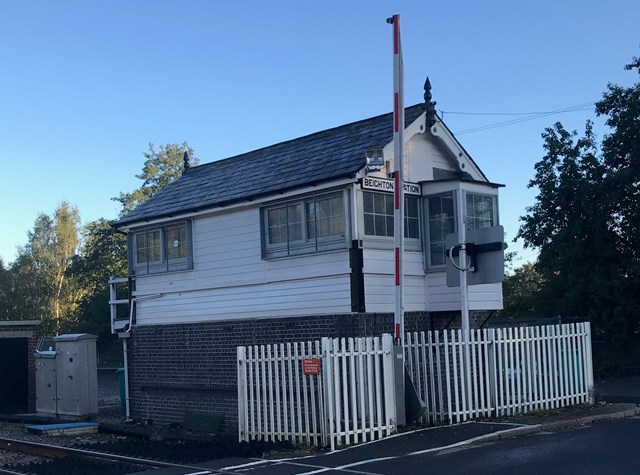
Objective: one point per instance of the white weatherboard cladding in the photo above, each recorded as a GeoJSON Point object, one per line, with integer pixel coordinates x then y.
{"type": "Point", "coordinates": [307, 297]}
{"type": "Point", "coordinates": [231, 280]}
{"type": "Point", "coordinates": [442, 298]}
{"type": "Point", "coordinates": [379, 281]}
{"type": "Point", "coordinates": [425, 155]}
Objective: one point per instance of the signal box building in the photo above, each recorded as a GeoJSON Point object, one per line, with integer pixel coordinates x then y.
{"type": "Point", "coordinates": [293, 242]}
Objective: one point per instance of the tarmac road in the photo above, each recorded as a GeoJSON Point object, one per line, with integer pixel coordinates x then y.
{"type": "Point", "coordinates": [605, 447]}
{"type": "Point", "coordinates": [602, 448]}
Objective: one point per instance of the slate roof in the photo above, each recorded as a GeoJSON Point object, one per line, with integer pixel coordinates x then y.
{"type": "Point", "coordinates": [323, 156]}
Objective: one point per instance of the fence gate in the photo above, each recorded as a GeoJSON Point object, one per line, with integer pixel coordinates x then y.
{"type": "Point", "coordinates": [350, 398]}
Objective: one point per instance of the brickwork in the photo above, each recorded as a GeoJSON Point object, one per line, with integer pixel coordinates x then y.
{"type": "Point", "coordinates": [175, 368]}
{"type": "Point", "coordinates": [30, 332]}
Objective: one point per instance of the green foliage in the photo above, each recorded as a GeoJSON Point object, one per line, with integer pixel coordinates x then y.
{"type": "Point", "coordinates": [161, 167]}
{"type": "Point", "coordinates": [586, 219]}
{"type": "Point", "coordinates": [522, 291]}
{"type": "Point", "coordinates": [62, 280]}
{"type": "Point", "coordinates": [27, 296]}
{"type": "Point", "coordinates": [5, 289]}
{"type": "Point", "coordinates": [104, 255]}
{"type": "Point", "coordinates": [53, 243]}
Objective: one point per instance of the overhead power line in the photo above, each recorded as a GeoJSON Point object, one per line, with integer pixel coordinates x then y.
{"type": "Point", "coordinates": [527, 116]}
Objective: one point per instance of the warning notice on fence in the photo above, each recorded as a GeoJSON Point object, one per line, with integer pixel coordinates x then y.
{"type": "Point", "coordinates": [311, 365]}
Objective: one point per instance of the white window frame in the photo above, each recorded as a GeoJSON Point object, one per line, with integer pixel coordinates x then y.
{"type": "Point", "coordinates": [494, 209]}
{"type": "Point", "coordinates": [427, 220]}
{"type": "Point", "coordinates": [386, 242]}
{"type": "Point", "coordinates": [455, 193]}
{"type": "Point", "coordinates": [307, 244]}
{"type": "Point", "coordinates": [164, 264]}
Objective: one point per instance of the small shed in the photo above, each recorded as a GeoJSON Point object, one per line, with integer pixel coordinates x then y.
{"type": "Point", "coordinates": [18, 340]}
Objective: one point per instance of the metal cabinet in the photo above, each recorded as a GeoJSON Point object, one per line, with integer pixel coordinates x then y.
{"type": "Point", "coordinates": [67, 378]}
{"type": "Point", "coordinates": [46, 383]}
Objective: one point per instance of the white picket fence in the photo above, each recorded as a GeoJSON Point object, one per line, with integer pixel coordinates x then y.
{"type": "Point", "coordinates": [352, 399]}
{"type": "Point", "coordinates": [509, 370]}
{"type": "Point", "coordinates": [498, 372]}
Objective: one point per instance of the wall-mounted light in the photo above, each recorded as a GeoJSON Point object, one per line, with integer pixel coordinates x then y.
{"type": "Point", "coordinates": [375, 160]}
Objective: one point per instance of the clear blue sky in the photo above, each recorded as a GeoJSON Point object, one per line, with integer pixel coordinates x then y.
{"type": "Point", "coordinates": [85, 86]}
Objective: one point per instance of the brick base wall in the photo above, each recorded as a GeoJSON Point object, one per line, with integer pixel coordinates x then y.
{"type": "Point", "coordinates": [176, 368]}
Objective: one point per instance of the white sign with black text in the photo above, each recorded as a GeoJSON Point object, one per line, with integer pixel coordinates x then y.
{"type": "Point", "coordinates": [382, 184]}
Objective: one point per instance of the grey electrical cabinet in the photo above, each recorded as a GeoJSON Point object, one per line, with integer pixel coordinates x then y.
{"type": "Point", "coordinates": [46, 383]}
{"type": "Point", "coordinates": [67, 377]}
{"type": "Point", "coordinates": [77, 375]}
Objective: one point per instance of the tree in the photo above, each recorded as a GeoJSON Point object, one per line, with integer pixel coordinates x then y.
{"type": "Point", "coordinates": [621, 152]}
{"type": "Point", "coordinates": [522, 291]}
{"type": "Point", "coordinates": [53, 243]}
{"type": "Point", "coordinates": [104, 251]}
{"type": "Point", "coordinates": [103, 255]}
{"type": "Point", "coordinates": [585, 218]}
{"type": "Point", "coordinates": [5, 276]}
{"type": "Point", "coordinates": [28, 298]}
{"type": "Point", "coordinates": [160, 168]}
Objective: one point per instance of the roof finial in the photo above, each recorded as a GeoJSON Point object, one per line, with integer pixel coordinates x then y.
{"type": "Point", "coordinates": [430, 105]}
{"type": "Point", "coordinates": [185, 160]}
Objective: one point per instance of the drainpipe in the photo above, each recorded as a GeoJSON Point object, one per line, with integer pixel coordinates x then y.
{"type": "Point", "coordinates": [125, 352]}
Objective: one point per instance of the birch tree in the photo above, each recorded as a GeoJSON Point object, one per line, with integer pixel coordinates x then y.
{"type": "Point", "coordinates": [52, 245]}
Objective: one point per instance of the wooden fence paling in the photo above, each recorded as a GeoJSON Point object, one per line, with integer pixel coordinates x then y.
{"type": "Point", "coordinates": [353, 398]}
{"type": "Point", "coordinates": [512, 370]}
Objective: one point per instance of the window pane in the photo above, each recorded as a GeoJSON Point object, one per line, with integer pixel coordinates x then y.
{"type": "Point", "coordinates": [367, 200]}
{"type": "Point", "coordinates": [323, 217]}
{"type": "Point", "coordinates": [379, 203]}
{"type": "Point", "coordinates": [163, 249]}
{"type": "Point", "coordinates": [177, 242]}
{"type": "Point", "coordinates": [381, 225]}
{"type": "Point", "coordinates": [411, 228]}
{"type": "Point", "coordinates": [369, 227]}
{"type": "Point", "coordinates": [295, 222]}
{"type": "Point", "coordinates": [378, 219]}
{"type": "Point", "coordinates": [389, 204]}
{"type": "Point", "coordinates": [411, 206]}
{"type": "Point", "coordinates": [324, 227]}
{"type": "Point", "coordinates": [328, 212]}
{"type": "Point", "coordinates": [389, 230]}
{"type": "Point", "coordinates": [141, 247]}
{"type": "Point", "coordinates": [311, 220]}
{"type": "Point", "coordinates": [277, 225]}
{"type": "Point", "coordinates": [337, 225]}
{"type": "Point", "coordinates": [479, 211]}
{"type": "Point", "coordinates": [153, 246]}
{"type": "Point", "coordinates": [337, 215]}
{"type": "Point", "coordinates": [447, 205]}
{"type": "Point", "coordinates": [441, 222]}
{"type": "Point", "coordinates": [411, 218]}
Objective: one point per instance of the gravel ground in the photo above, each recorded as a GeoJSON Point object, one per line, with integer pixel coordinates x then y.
{"type": "Point", "coordinates": [109, 409]}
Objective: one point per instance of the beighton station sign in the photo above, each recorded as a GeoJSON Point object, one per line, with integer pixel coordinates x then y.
{"type": "Point", "coordinates": [382, 184]}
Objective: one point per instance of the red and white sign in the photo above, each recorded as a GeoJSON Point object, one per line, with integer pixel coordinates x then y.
{"type": "Point", "coordinates": [311, 365]}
